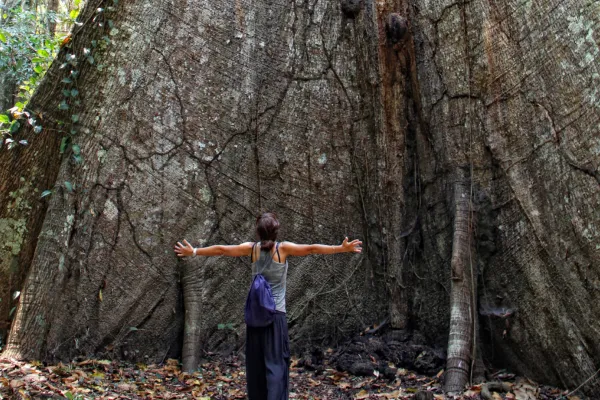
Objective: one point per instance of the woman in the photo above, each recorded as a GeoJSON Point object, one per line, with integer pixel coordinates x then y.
{"type": "Point", "coordinates": [267, 348]}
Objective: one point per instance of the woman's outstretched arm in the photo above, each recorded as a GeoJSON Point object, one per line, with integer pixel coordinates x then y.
{"type": "Point", "coordinates": [239, 250]}
{"type": "Point", "coordinates": [293, 249]}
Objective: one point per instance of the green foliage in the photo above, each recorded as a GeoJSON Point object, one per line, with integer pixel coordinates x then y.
{"type": "Point", "coordinates": [35, 54]}
{"type": "Point", "coordinates": [26, 52]}
{"type": "Point", "coordinates": [27, 49]}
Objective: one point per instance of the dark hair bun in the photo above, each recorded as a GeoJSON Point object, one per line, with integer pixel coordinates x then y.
{"type": "Point", "coordinates": [267, 227]}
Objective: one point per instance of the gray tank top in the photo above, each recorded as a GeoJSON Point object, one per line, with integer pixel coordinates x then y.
{"type": "Point", "coordinates": [274, 272]}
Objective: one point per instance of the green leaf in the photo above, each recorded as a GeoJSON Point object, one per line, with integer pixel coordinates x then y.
{"type": "Point", "coordinates": [221, 326]}
{"type": "Point", "coordinates": [73, 14]}
{"type": "Point", "coordinates": [67, 80]}
{"type": "Point", "coordinates": [38, 60]}
{"type": "Point", "coordinates": [64, 143]}
{"type": "Point", "coordinates": [43, 53]}
{"type": "Point", "coordinates": [14, 126]}
{"type": "Point", "coordinates": [66, 92]}
{"type": "Point", "coordinates": [12, 310]}
{"type": "Point", "coordinates": [69, 186]}
{"type": "Point", "coordinates": [74, 92]}
{"type": "Point", "coordinates": [37, 129]}
{"type": "Point", "coordinates": [39, 69]}
{"type": "Point", "coordinates": [63, 105]}
{"type": "Point", "coordinates": [4, 119]}
{"type": "Point", "coordinates": [114, 31]}
{"type": "Point", "coordinates": [76, 149]}
{"type": "Point", "coordinates": [90, 59]}
{"type": "Point", "coordinates": [133, 328]}
{"type": "Point", "coordinates": [46, 193]}
{"type": "Point", "coordinates": [20, 105]}
{"type": "Point", "coordinates": [75, 118]}
{"type": "Point", "coordinates": [2, 38]}
{"type": "Point", "coordinates": [78, 159]}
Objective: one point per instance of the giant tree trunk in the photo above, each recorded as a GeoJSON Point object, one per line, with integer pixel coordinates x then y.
{"type": "Point", "coordinates": [192, 139]}
{"type": "Point", "coordinates": [206, 113]}
{"type": "Point", "coordinates": [534, 150]}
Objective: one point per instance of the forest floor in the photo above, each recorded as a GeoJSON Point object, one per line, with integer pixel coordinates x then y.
{"type": "Point", "coordinates": [224, 378]}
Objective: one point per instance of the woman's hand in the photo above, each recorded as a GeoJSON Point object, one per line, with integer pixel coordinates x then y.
{"type": "Point", "coordinates": [351, 247]}
{"type": "Point", "coordinates": [184, 251]}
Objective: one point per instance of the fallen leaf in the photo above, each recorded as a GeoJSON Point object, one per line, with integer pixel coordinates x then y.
{"type": "Point", "coordinates": [363, 394]}
{"type": "Point", "coordinates": [392, 395]}
{"type": "Point", "coordinates": [343, 385]}
{"type": "Point", "coordinates": [524, 389]}
{"type": "Point", "coordinates": [16, 383]}
{"type": "Point", "coordinates": [313, 382]}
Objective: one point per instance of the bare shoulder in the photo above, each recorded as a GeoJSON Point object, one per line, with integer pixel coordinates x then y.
{"type": "Point", "coordinates": [284, 249]}
{"type": "Point", "coordinates": [286, 246]}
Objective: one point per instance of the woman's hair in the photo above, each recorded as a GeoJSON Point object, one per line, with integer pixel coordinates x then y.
{"type": "Point", "coordinates": [267, 227]}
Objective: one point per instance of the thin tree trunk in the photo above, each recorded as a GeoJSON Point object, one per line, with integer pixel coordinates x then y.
{"type": "Point", "coordinates": [192, 300]}
{"type": "Point", "coordinates": [7, 91]}
{"type": "Point", "coordinates": [53, 8]}
{"type": "Point", "coordinates": [460, 341]}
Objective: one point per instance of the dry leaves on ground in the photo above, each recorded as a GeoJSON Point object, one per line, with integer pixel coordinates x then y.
{"type": "Point", "coordinates": [218, 378]}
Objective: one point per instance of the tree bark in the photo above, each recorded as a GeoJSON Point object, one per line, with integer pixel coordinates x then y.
{"type": "Point", "coordinates": [207, 113]}
{"type": "Point", "coordinates": [154, 175]}
{"type": "Point", "coordinates": [462, 294]}
{"type": "Point", "coordinates": [25, 173]}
